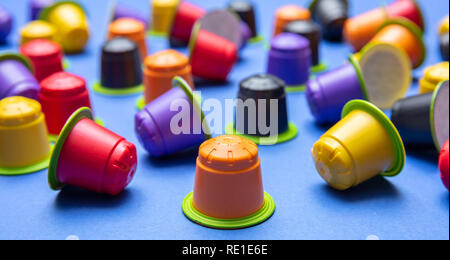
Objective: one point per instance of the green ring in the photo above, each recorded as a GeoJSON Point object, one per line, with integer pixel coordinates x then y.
{"type": "Point", "coordinates": [117, 92]}
{"type": "Point", "coordinates": [153, 33]}
{"type": "Point", "coordinates": [227, 224]}
{"type": "Point", "coordinates": [46, 11]}
{"type": "Point", "coordinates": [295, 89]}
{"type": "Point", "coordinates": [400, 154]}
{"type": "Point", "coordinates": [319, 68]}
{"type": "Point", "coordinates": [20, 58]}
{"type": "Point", "coordinates": [193, 39]}
{"type": "Point", "coordinates": [196, 103]}
{"type": "Point", "coordinates": [290, 134]}
{"type": "Point", "coordinates": [140, 103]}
{"type": "Point", "coordinates": [54, 138]}
{"type": "Point", "coordinates": [416, 31]}
{"type": "Point", "coordinates": [432, 119]}
{"type": "Point", "coordinates": [256, 39]}
{"type": "Point", "coordinates": [80, 114]}
{"type": "Point", "coordinates": [27, 169]}
{"type": "Point", "coordinates": [66, 64]}
{"type": "Point", "coordinates": [354, 61]}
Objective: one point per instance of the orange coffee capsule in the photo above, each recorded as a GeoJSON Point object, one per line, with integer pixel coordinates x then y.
{"type": "Point", "coordinates": [405, 35]}
{"type": "Point", "coordinates": [160, 69]}
{"type": "Point", "coordinates": [131, 29]}
{"type": "Point", "coordinates": [287, 14]}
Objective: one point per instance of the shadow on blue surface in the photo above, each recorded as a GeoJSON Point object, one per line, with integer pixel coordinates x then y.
{"type": "Point", "coordinates": [187, 157]}
{"type": "Point", "coordinates": [374, 189]}
{"type": "Point", "coordinates": [429, 155]}
{"type": "Point", "coordinates": [72, 198]}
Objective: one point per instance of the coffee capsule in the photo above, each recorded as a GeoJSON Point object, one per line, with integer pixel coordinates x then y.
{"type": "Point", "coordinates": [120, 54]}
{"type": "Point", "coordinates": [287, 14]}
{"type": "Point", "coordinates": [359, 30]}
{"type": "Point", "coordinates": [443, 164]}
{"type": "Point", "coordinates": [212, 57]}
{"type": "Point", "coordinates": [157, 130]}
{"type": "Point", "coordinates": [331, 15]}
{"type": "Point", "coordinates": [46, 57]}
{"type": "Point", "coordinates": [444, 46]}
{"type": "Point", "coordinates": [224, 24]}
{"type": "Point", "coordinates": [261, 112]}
{"type": "Point", "coordinates": [185, 18]}
{"type": "Point", "coordinates": [131, 29]}
{"type": "Point", "coordinates": [159, 71]}
{"type": "Point", "coordinates": [444, 26]}
{"type": "Point", "coordinates": [362, 145]}
{"type": "Point", "coordinates": [290, 60]}
{"type": "Point", "coordinates": [423, 120]}
{"type": "Point", "coordinates": [228, 190]}
{"type": "Point", "coordinates": [6, 21]}
{"type": "Point", "coordinates": [433, 76]}
{"type": "Point", "coordinates": [16, 77]}
{"type": "Point", "coordinates": [121, 11]}
{"type": "Point", "coordinates": [36, 30]}
{"type": "Point", "coordinates": [36, 7]}
{"type": "Point", "coordinates": [88, 156]}
{"type": "Point", "coordinates": [246, 34]}
{"type": "Point", "coordinates": [311, 31]}
{"type": "Point", "coordinates": [246, 11]}
{"type": "Point", "coordinates": [24, 147]}
{"type": "Point", "coordinates": [61, 95]}
{"type": "Point", "coordinates": [406, 36]}
{"type": "Point", "coordinates": [163, 14]}
{"type": "Point", "coordinates": [72, 25]}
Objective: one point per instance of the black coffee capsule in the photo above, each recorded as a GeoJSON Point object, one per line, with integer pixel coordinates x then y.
{"type": "Point", "coordinates": [246, 11]}
{"type": "Point", "coordinates": [423, 120]}
{"type": "Point", "coordinates": [444, 46]}
{"type": "Point", "coordinates": [331, 15]}
{"type": "Point", "coordinates": [311, 31]}
{"type": "Point", "coordinates": [120, 67]}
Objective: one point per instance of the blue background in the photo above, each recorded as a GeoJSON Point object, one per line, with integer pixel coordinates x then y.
{"type": "Point", "coordinates": [414, 205]}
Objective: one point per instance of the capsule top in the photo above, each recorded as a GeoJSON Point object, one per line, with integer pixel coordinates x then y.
{"type": "Point", "coordinates": [241, 6]}
{"type": "Point", "coordinates": [262, 86]}
{"type": "Point", "coordinates": [165, 61]}
{"type": "Point", "coordinates": [292, 12]}
{"type": "Point", "coordinates": [303, 27]}
{"type": "Point", "coordinates": [38, 29]}
{"type": "Point", "coordinates": [41, 48]}
{"type": "Point", "coordinates": [126, 27]}
{"type": "Point", "coordinates": [437, 73]}
{"type": "Point", "coordinates": [119, 45]}
{"type": "Point", "coordinates": [289, 42]}
{"type": "Point", "coordinates": [62, 84]}
{"type": "Point", "coordinates": [16, 111]}
{"type": "Point", "coordinates": [228, 153]}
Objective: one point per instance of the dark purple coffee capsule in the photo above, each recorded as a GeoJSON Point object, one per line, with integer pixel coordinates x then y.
{"type": "Point", "coordinates": [246, 11]}
{"type": "Point", "coordinates": [444, 46]}
{"type": "Point", "coordinates": [331, 15]}
{"type": "Point", "coordinates": [6, 21]}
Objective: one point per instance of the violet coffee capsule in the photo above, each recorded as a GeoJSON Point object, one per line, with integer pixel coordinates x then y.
{"type": "Point", "coordinates": [331, 15]}
{"type": "Point", "coordinates": [36, 7]}
{"type": "Point", "coordinates": [6, 21]}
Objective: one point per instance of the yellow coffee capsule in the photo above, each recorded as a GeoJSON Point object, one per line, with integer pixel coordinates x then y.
{"type": "Point", "coordinates": [444, 27]}
{"type": "Point", "coordinates": [433, 76]}
{"type": "Point", "coordinates": [24, 146]}
{"type": "Point", "coordinates": [71, 23]}
{"type": "Point", "coordinates": [37, 30]}
{"type": "Point", "coordinates": [362, 145]}
{"type": "Point", "coordinates": [163, 14]}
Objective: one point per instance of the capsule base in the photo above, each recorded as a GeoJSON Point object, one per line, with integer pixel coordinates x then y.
{"type": "Point", "coordinates": [319, 68]}
{"type": "Point", "coordinates": [257, 218]}
{"type": "Point", "coordinates": [27, 169]}
{"type": "Point", "coordinates": [290, 134]}
{"type": "Point", "coordinates": [117, 92]}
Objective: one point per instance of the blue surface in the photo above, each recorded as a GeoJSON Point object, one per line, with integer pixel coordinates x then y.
{"type": "Point", "coordinates": [414, 205]}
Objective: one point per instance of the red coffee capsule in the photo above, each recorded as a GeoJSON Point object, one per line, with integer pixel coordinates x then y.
{"type": "Point", "coordinates": [62, 94]}
{"type": "Point", "coordinates": [443, 164]}
{"type": "Point", "coordinates": [46, 57]}
{"type": "Point", "coordinates": [91, 157]}
{"type": "Point", "coordinates": [186, 16]}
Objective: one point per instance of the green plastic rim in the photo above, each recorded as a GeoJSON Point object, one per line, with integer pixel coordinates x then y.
{"type": "Point", "coordinates": [437, 92]}
{"type": "Point", "coordinates": [414, 29]}
{"type": "Point", "coordinates": [354, 61]}
{"type": "Point", "coordinates": [296, 89]}
{"type": "Point", "coordinates": [54, 138]}
{"type": "Point", "coordinates": [27, 169]}
{"type": "Point", "coordinates": [319, 68]}
{"type": "Point", "coordinates": [290, 134]}
{"type": "Point", "coordinates": [193, 40]}
{"type": "Point", "coordinates": [66, 64]}
{"type": "Point", "coordinates": [181, 83]}
{"type": "Point", "coordinates": [228, 224]}
{"type": "Point", "coordinates": [46, 11]}
{"type": "Point", "coordinates": [76, 117]}
{"type": "Point", "coordinates": [20, 58]}
{"type": "Point", "coordinates": [158, 34]}
{"type": "Point", "coordinates": [140, 103]}
{"type": "Point", "coordinates": [400, 153]}
{"type": "Point", "coordinates": [117, 92]}
{"type": "Point", "coordinates": [256, 39]}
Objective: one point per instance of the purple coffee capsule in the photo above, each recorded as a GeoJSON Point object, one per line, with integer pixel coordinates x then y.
{"type": "Point", "coordinates": [5, 24]}
{"type": "Point", "coordinates": [16, 77]}
{"type": "Point", "coordinates": [121, 11]}
{"type": "Point", "coordinates": [290, 60]}
{"type": "Point", "coordinates": [328, 93]}
{"type": "Point", "coordinates": [172, 122]}
{"type": "Point", "coordinates": [36, 7]}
